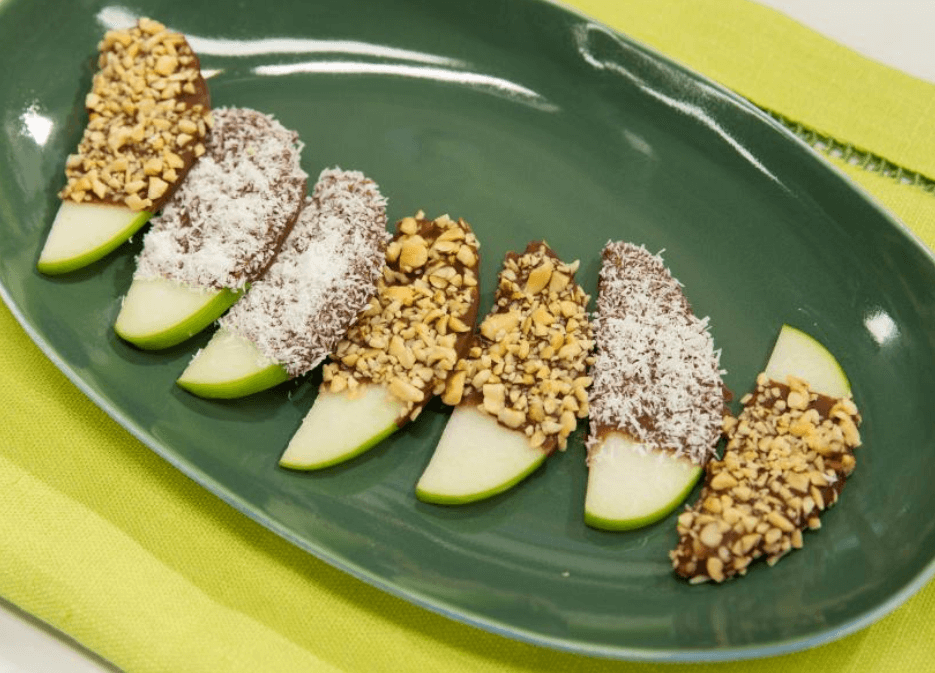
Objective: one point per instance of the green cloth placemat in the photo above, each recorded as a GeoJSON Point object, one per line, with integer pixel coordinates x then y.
{"type": "Point", "coordinates": [781, 66]}
{"type": "Point", "coordinates": [104, 540]}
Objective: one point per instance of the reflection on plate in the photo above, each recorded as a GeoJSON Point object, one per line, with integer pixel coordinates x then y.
{"type": "Point", "coordinates": [539, 124]}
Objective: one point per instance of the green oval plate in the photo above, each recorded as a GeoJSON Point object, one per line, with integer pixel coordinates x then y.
{"type": "Point", "coordinates": [530, 122]}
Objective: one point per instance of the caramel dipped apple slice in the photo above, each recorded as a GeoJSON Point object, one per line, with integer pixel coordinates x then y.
{"type": "Point", "coordinates": [657, 401]}
{"type": "Point", "coordinates": [219, 233]}
{"type": "Point", "coordinates": [788, 457]}
{"type": "Point", "coordinates": [401, 351]}
{"type": "Point", "coordinates": [522, 387]}
{"type": "Point", "coordinates": [149, 113]}
{"type": "Point", "coordinates": [292, 317]}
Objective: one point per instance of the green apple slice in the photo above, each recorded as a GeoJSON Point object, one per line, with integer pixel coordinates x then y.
{"type": "Point", "coordinates": [352, 412]}
{"type": "Point", "coordinates": [798, 354]}
{"type": "Point", "coordinates": [82, 233]}
{"type": "Point", "coordinates": [230, 366]}
{"type": "Point", "coordinates": [159, 313]}
{"type": "Point", "coordinates": [340, 426]}
{"type": "Point", "coordinates": [630, 487]}
{"type": "Point", "coordinates": [476, 458]}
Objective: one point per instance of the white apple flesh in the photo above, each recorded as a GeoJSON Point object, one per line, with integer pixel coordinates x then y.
{"type": "Point", "coordinates": [476, 458]}
{"type": "Point", "coordinates": [83, 233]}
{"type": "Point", "coordinates": [629, 487]}
{"type": "Point", "coordinates": [230, 366]}
{"type": "Point", "coordinates": [800, 355]}
{"type": "Point", "coordinates": [343, 425]}
{"type": "Point", "coordinates": [159, 313]}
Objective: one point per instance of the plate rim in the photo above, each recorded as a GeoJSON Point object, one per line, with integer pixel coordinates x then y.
{"type": "Point", "coordinates": [499, 627]}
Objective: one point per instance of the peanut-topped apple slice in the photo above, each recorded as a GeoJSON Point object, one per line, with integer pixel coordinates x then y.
{"type": "Point", "coordinates": [657, 401]}
{"type": "Point", "coordinates": [148, 116]}
{"type": "Point", "coordinates": [788, 456]}
{"type": "Point", "coordinates": [403, 348]}
{"type": "Point", "coordinates": [220, 231]}
{"type": "Point", "coordinates": [522, 387]}
{"type": "Point", "coordinates": [292, 317]}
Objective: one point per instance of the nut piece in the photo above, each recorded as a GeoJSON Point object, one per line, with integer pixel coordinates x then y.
{"type": "Point", "coordinates": [715, 568]}
{"type": "Point", "coordinates": [723, 481]}
{"type": "Point", "coordinates": [166, 65]}
{"type": "Point", "coordinates": [539, 277]}
{"type": "Point", "coordinates": [494, 397]}
{"type": "Point", "coordinates": [157, 188]}
{"type": "Point", "coordinates": [498, 324]}
{"type": "Point", "coordinates": [466, 255]}
{"type": "Point", "coordinates": [454, 388]}
{"type": "Point", "coordinates": [710, 535]}
{"type": "Point", "coordinates": [405, 390]}
{"type": "Point", "coordinates": [153, 166]}
{"type": "Point", "coordinates": [511, 418]}
{"type": "Point", "coordinates": [409, 226]}
{"type": "Point", "coordinates": [413, 253]}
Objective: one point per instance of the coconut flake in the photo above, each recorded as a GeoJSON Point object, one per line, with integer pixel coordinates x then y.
{"type": "Point", "coordinates": [657, 375]}
{"type": "Point", "coordinates": [221, 229]}
{"type": "Point", "coordinates": [324, 276]}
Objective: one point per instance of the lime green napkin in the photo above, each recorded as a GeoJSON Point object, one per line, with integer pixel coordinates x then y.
{"type": "Point", "coordinates": [107, 542]}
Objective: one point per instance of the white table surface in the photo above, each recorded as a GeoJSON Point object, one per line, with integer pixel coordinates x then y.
{"type": "Point", "coordinates": [897, 33]}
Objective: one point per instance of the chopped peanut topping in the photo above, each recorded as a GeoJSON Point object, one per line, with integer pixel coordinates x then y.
{"type": "Point", "coordinates": [147, 103]}
{"type": "Point", "coordinates": [418, 326]}
{"type": "Point", "coordinates": [527, 366]}
{"type": "Point", "coordinates": [787, 458]}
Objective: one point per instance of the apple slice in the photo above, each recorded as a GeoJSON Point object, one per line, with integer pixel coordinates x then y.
{"type": "Point", "coordinates": [788, 457]}
{"type": "Point", "coordinates": [159, 313]}
{"type": "Point", "coordinates": [120, 175]}
{"type": "Point", "coordinates": [657, 399]}
{"type": "Point", "coordinates": [509, 419]}
{"type": "Point", "coordinates": [295, 314]}
{"type": "Point", "coordinates": [801, 355]}
{"type": "Point", "coordinates": [83, 233]}
{"type": "Point", "coordinates": [428, 294]}
{"type": "Point", "coordinates": [231, 366]}
{"type": "Point", "coordinates": [339, 427]}
{"type": "Point", "coordinates": [219, 233]}
{"type": "Point", "coordinates": [476, 458]}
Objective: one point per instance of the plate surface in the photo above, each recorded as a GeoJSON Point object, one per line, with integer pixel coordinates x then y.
{"type": "Point", "coordinates": [529, 122]}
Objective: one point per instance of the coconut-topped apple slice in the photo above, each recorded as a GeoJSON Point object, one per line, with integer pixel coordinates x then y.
{"type": "Point", "coordinates": [149, 113]}
{"type": "Point", "coordinates": [788, 456]}
{"type": "Point", "coordinates": [657, 401]}
{"type": "Point", "coordinates": [219, 232]}
{"type": "Point", "coordinates": [523, 386]}
{"type": "Point", "coordinates": [292, 317]}
{"type": "Point", "coordinates": [401, 351]}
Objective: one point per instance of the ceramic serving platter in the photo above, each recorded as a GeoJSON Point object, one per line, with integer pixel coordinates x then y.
{"type": "Point", "coordinates": [531, 122]}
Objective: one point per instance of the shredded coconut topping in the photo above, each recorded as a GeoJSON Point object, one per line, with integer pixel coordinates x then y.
{"type": "Point", "coordinates": [657, 376]}
{"type": "Point", "coordinates": [223, 227]}
{"type": "Point", "coordinates": [324, 276]}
